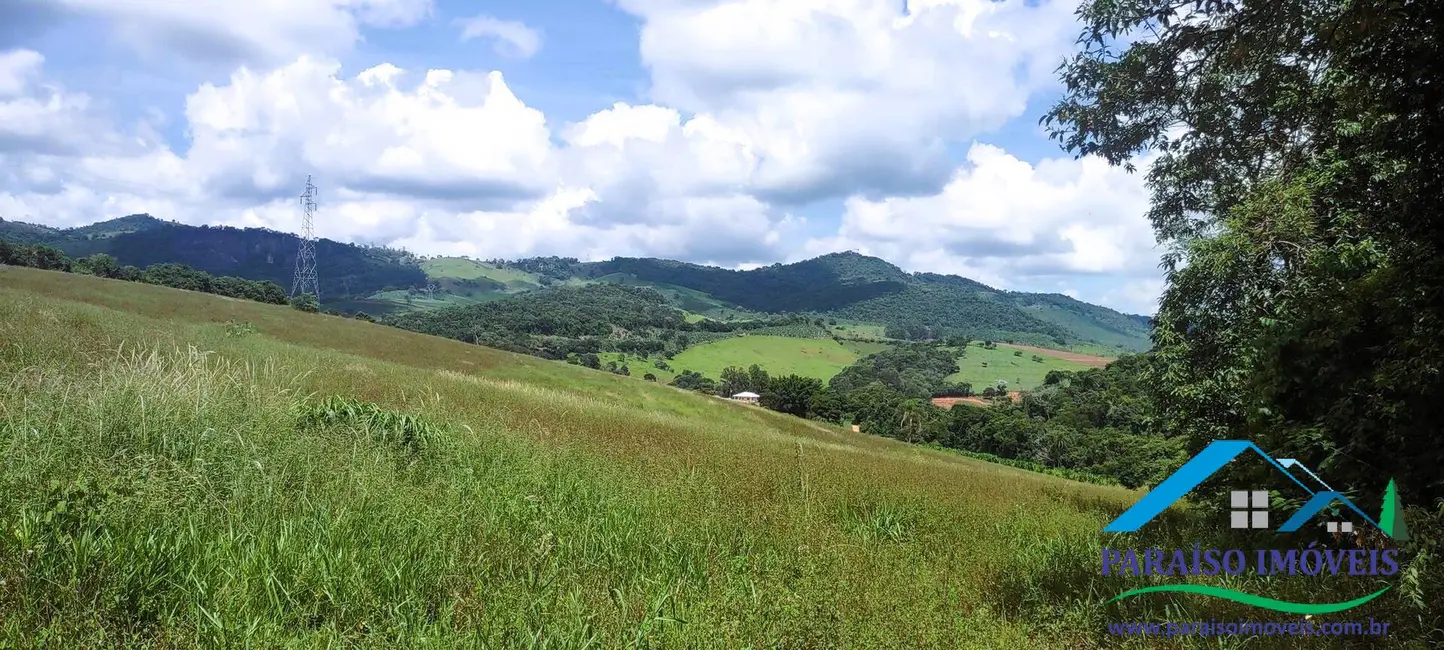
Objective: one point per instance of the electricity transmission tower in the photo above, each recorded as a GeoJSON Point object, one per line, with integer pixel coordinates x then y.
{"type": "Point", "coordinates": [306, 259]}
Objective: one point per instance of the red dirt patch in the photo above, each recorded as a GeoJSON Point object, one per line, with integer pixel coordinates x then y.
{"type": "Point", "coordinates": [1085, 359]}
{"type": "Point", "coordinates": [949, 402]}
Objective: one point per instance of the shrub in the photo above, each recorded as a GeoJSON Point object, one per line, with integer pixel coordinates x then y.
{"type": "Point", "coordinates": [237, 330]}
{"type": "Point", "coordinates": [306, 302]}
{"type": "Point", "coordinates": [405, 430]}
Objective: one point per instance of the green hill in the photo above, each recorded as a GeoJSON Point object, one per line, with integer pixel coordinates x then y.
{"type": "Point", "coordinates": [778, 355]}
{"type": "Point", "coordinates": [818, 285]}
{"type": "Point", "coordinates": [842, 286]}
{"type": "Point", "coordinates": [916, 306]}
{"type": "Point", "coordinates": [242, 474]}
{"type": "Point", "coordinates": [458, 268]}
{"type": "Point", "coordinates": [74, 239]}
{"type": "Point", "coordinates": [983, 367]}
{"type": "Point", "coordinates": [344, 270]}
{"type": "Point", "coordinates": [692, 300]}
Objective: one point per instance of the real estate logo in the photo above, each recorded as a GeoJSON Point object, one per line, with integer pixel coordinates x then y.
{"type": "Point", "coordinates": [1249, 509]}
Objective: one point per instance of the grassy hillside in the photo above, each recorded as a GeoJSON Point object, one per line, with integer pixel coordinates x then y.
{"type": "Point", "coordinates": [213, 496]}
{"type": "Point", "coordinates": [778, 355]}
{"type": "Point", "coordinates": [982, 367]}
{"type": "Point", "coordinates": [1108, 328]}
{"type": "Point", "coordinates": [864, 348]}
{"type": "Point", "coordinates": [465, 269]}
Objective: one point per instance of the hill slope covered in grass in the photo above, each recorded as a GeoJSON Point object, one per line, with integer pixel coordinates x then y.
{"type": "Point", "coordinates": [780, 355]}
{"type": "Point", "coordinates": [184, 470]}
{"type": "Point", "coordinates": [548, 499]}
{"type": "Point", "coordinates": [983, 367]}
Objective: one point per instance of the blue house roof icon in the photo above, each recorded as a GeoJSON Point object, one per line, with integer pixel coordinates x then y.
{"type": "Point", "coordinates": [1213, 457]}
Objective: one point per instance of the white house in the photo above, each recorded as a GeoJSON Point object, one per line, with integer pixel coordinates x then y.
{"type": "Point", "coordinates": [746, 396]}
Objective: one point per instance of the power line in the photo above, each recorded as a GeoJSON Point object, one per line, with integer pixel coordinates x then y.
{"type": "Point", "coordinates": [306, 258]}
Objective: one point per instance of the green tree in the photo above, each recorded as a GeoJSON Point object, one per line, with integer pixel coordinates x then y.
{"type": "Point", "coordinates": [649, 377]}
{"type": "Point", "coordinates": [103, 266]}
{"type": "Point", "coordinates": [731, 381]}
{"type": "Point", "coordinates": [691, 380]}
{"type": "Point", "coordinates": [911, 419]}
{"type": "Point", "coordinates": [306, 302]}
{"type": "Point", "coordinates": [48, 258]}
{"type": "Point", "coordinates": [178, 276]}
{"type": "Point", "coordinates": [828, 406]}
{"type": "Point", "coordinates": [791, 394]}
{"type": "Point", "coordinates": [1296, 158]}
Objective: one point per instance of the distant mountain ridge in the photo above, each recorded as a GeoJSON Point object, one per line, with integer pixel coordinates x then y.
{"type": "Point", "coordinates": [253, 253]}
{"type": "Point", "coordinates": [913, 305]}
{"type": "Point", "coordinates": [846, 285]}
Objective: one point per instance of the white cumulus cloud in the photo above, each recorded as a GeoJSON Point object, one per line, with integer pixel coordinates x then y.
{"type": "Point", "coordinates": [756, 110]}
{"type": "Point", "coordinates": [838, 97]}
{"type": "Point", "coordinates": [1012, 224]}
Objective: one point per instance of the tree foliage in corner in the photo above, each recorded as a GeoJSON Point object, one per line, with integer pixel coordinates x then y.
{"type": "Point", "coordinates": [1295, 156]}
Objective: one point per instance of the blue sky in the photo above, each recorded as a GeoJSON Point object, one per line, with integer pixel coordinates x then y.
{"type": "Point", "coordinates": [734, 132]}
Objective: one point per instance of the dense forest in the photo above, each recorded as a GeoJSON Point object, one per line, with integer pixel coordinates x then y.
{"type": "Point", "coordinates": [928, 312]}
{"type": "Point", "coordinates": [1299, 161]}
{"type": "Point", "coordinates": [178, 276]}
{"type": "Point", "coordinates": [555, 322]}
{"type": "Point", "coordinates": [253, 253]}
{"type": "Point", "coordinates": [1295, 160]}
{"type": "Point", "coordinates": [920, 306]}
{"type": "Point", "coordinates": [564, 321]}
{"type": "Point", "coordinates": [817, 285]}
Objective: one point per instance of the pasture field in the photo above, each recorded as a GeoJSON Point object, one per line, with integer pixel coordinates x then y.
{"type": "Point", "coordinates": [639, 366]}
{"type": "Point", "coordinates": [778, 355]}
{"type": "Point", "coordinates": [1021, 372]}
{"type": "Point", "coordinates": [464, 269]}
{"type": "Point", "coordinates": [186, 470]}
{"type": "Point", "coordinates": [858, 330]}
{"type": "Point", "coordinates": [864, 348]}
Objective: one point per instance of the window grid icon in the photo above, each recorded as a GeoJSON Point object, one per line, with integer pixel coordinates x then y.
{"type": "Point", "coordinates": [1344, 527]}
{"type": "Point", "coordinates": [1250, 509]}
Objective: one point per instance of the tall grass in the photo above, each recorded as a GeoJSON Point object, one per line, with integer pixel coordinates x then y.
{"type": "Point", "coordinates": [173, 478]}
